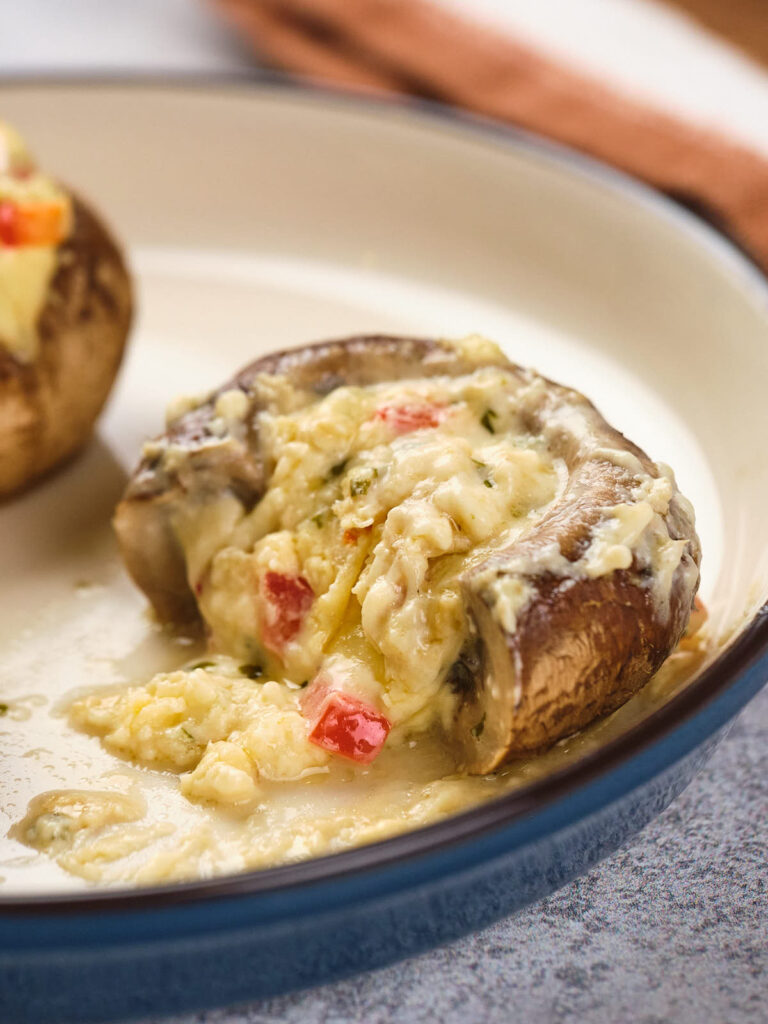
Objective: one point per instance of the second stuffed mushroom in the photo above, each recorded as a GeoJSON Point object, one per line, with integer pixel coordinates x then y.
{"type": "Point", "coordinates": [65, 312]}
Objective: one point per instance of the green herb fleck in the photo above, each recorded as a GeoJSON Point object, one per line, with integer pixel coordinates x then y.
{"type": "Point", "coordinates": [480, 465]}
{"type": "Point", "coordinates": [188, 734]}
{"type": "Point", "coordinates": [201, 664]}
{"type": "Point", "coordinates": [318, 519]}
{"type": "Point", "coordinates": [3, 709]}
{"type": "Point", "coordinates": [477, 730]}
{"type": "Point", "coordinates": [486, 419]}
{"type": "Point", "coordinates": [251, 671]}
{"type": "Point", "coordinates": [488, 483]}
{"type": "Point", "coordinates": [359, 485]}
{"type": "Point", "coordinates": [339, 468]}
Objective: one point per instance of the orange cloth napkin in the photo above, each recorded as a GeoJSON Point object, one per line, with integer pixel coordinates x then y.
{"type": "Point", "coordinates": [419, 48]}
{"type": "Point", "coordinates": [743, 22]}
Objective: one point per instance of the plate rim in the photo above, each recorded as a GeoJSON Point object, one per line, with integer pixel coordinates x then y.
{"type": "Point", "coordinates": [748, 653]}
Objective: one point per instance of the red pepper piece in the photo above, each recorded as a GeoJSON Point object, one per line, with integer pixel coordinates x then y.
{"type": "Point", "coordinates": [405, 418]}
{"type": "Point", "coordinates": [346, 726]}
{"type": "Point", "coordinates": [33, 223]}
{"type": "Point", "coordinates": [8, 223]}
{"type": "Point", "coordinates": [287, 599]}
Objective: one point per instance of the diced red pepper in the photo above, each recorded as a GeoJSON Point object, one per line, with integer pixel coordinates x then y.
{"type": "Point", "coordinates": [8, 231]}
{"type": "Point", "coordinates": [345, 725]}
{"type": "Point", "coordinates": [405, 418]}
{"type": "Point", "coordinates": [286, 601]}
{"type": "Point", "coordinates": [38, 223]}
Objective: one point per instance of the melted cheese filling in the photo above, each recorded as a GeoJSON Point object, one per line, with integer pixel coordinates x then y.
{"type": "Point", "coordinates": [378, 498]}
{"type": "Point", "coordinates": [25, 277]}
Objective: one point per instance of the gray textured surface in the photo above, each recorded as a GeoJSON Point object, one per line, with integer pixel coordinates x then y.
{"type": "Point", "coordinates": [674, 928]}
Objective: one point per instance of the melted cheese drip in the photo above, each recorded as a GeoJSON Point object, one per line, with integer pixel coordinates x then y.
{"type": "Point", "coordinates": [25, 277]}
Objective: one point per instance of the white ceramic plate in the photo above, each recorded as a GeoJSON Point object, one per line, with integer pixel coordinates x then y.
{"type": "Point", "coordinates": [258, 218]}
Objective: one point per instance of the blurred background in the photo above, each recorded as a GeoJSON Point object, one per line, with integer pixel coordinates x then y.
{"type": "Point", "coordinates": [705, 59]}
{"type": "Point", "coordinates": [672, 91]}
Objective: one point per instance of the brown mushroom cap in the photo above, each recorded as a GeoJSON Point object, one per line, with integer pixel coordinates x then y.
{"type": "Point", "coordinates": [48, 406]}
{"type": "Point", "coordinates": [581, 645]}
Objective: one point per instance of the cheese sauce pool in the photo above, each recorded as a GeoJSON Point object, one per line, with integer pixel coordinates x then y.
{"type": "Point", "coordinates": [133, 826]}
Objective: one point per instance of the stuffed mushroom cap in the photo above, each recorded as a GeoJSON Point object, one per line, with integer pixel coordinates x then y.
{"type": "Point", "coordinates": [554, 622]}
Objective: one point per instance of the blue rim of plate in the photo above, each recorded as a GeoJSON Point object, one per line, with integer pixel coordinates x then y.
{"type": "Point", "coordinates": [748, 654]}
